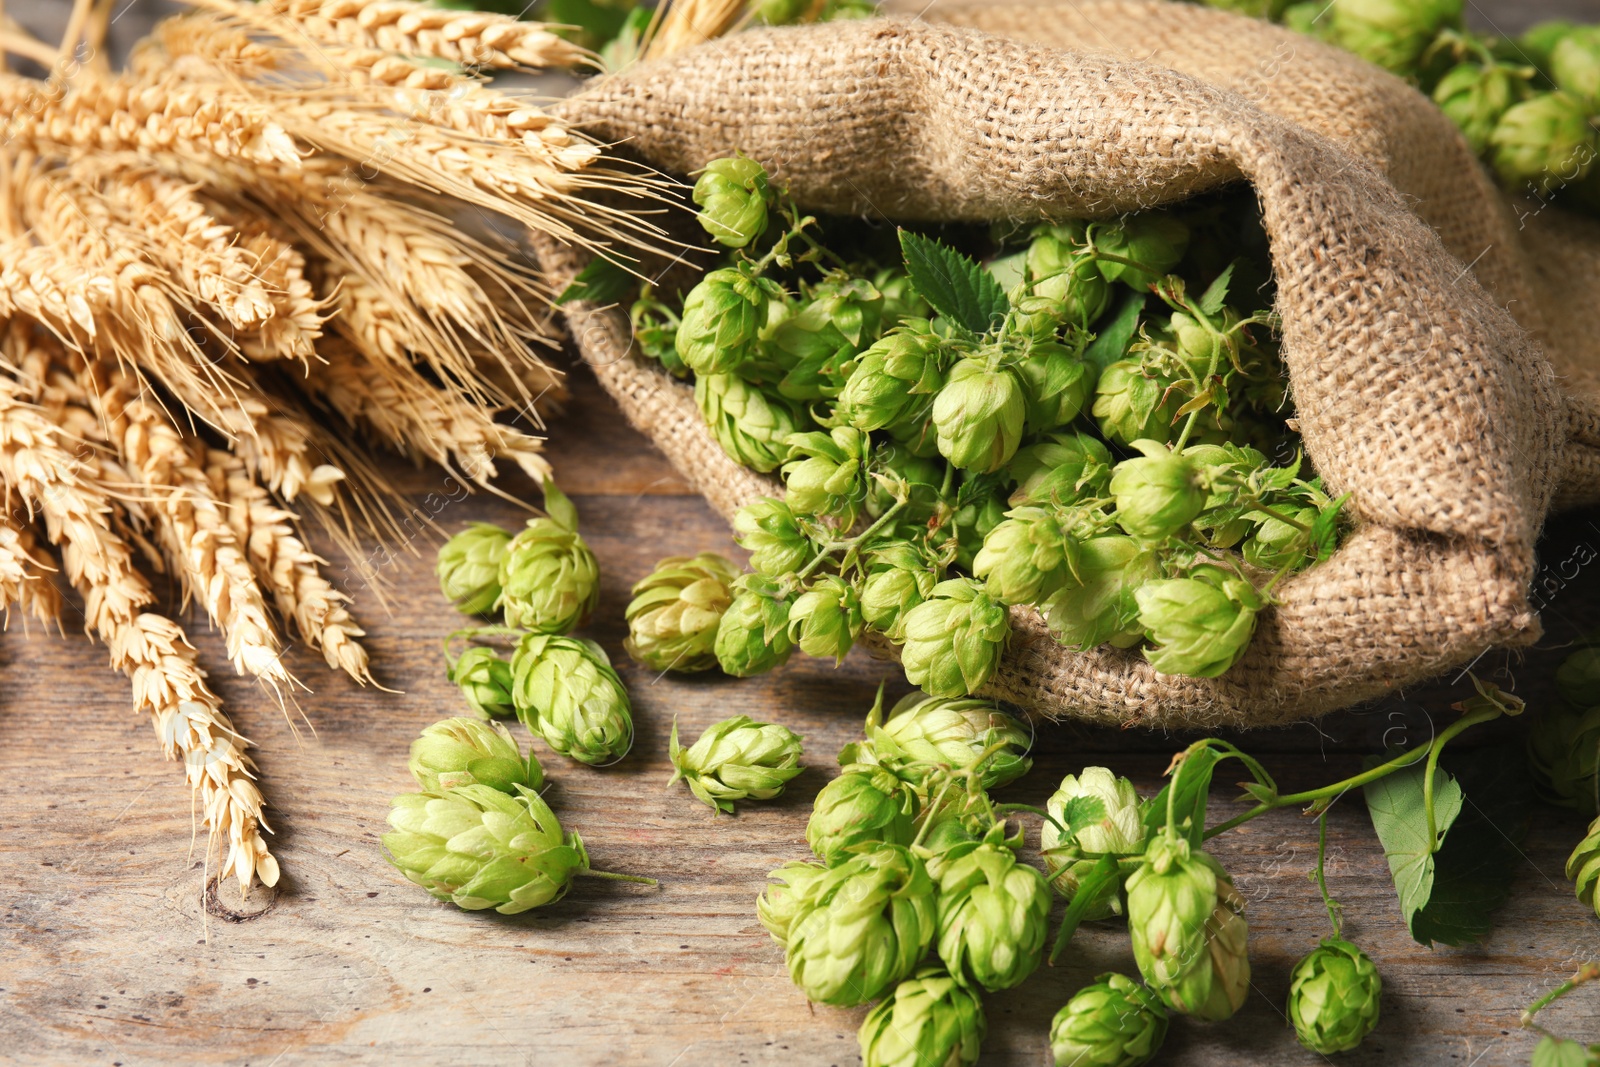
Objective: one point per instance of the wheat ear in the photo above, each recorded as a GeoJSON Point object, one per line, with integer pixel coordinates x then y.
{"type": "Point", "coordinates": [24, 570]}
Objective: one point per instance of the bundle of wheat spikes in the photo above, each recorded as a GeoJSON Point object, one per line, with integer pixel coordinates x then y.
{"type": "Point", "coordinates": [260, 218]}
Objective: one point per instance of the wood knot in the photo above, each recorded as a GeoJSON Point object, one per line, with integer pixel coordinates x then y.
{"type": "Point", "coordinates": [237, 908]}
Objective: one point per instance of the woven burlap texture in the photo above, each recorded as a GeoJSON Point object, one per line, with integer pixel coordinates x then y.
{"type": "Point", "coordinates": [1417, 392]}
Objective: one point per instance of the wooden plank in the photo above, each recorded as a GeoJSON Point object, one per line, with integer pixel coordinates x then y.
{"type": "Point", "coordinates": [111, 955]}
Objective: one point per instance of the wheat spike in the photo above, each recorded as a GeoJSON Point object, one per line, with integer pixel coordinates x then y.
{"type": "Point", "coordinates": [24, 567]}
{"type": "Point", "coordinates": [286, 566]}
{"type": "Point", "coordinates": [421, 420]}
{"type": "Point", "coordinates": [471, 38]}
{"type": "Point", "coordinates": [150, 649]}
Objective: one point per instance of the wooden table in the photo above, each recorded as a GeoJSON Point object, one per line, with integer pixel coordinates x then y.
{"type": "Point", "coordinates": [113, 951]}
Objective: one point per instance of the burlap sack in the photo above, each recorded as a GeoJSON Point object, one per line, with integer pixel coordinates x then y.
{"type": "Point", "coordinates": [1417, 390]}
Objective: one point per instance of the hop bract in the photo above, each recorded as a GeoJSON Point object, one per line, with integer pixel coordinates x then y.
{"type": "Point", "coordinates": [993, 914]}
{"type": "Point", "coordinates": [675, 612]}
{"type": "Point", "coordinates": [1201, 628]}
{"type": "Point", "coordinates": [777, 903]}
{"type": "Point", "coordinates": [979, 415]}
{"type": "Point", "coordinates": [567, 693]}
{"type": "Point", "coordinates": [1119, 832]}
{"type": "Point", "coordinates": [752, 426]}
{"type": "Point", "coordinates": [924, 733]}
{"type": "Point", "coordinates": [1157, 494]}
{"type": "Point", "coordinates": [931, 1019]}
{"type": "Point", "coordinates": [485, 681]}
{"type": "Point", "coordinates": [753, 636]}
{"type": "Point", "coordinates": [480, 848]}
{"type": "Point", "coordinates": [457, 752]}
{"type": "Point", "coordinates": [733, 195]}
{"type": "Point", "coordinates": [1583, 867]}
{"type": "Point", "coordinates": [469, 567]}
{"type": "Point", "coordinates": [1333, 997]}
{"type": "Point", "coordinates": [954, 639]}
{"type": "Point", "coordinates": [1187, 924]}
{"type": "Point", "coordinates": [826, 619]}
{"type": "Point", "coordinates": [862, 927]}
{"type": "Point", "coordinates": [1112, 1022]}
{"type": "Point", "coordinates": [1392, 33]}
{"type": "Point", "coordinates": [864, 804]}
{"type": "Point", "coordinates": [722, 315]}
{"type": "Point", "coordinates": [550, 580]}
{"type": "Point", "coordinates": [735, 759]}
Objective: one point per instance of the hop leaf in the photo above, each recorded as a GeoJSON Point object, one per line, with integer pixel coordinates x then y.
{"type": "Point", "coordinates": [956, 286]}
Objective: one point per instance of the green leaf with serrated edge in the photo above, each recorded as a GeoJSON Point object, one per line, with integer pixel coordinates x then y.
{"type": "Point", "coordinates": [1091, 887]}
{"type": "Point", "coordinates": [1111, 344]}
{"type": "Point", "coordinates": [1325, 530]}
{"type": "Point", "coordinates": [1083, 811]}
{"type": "Point", "coordinates": [1194, 787]}
{"type": "Point", "coordinates": [956, 286]}
{"type": "Point", "coordinates": [601, 282]}
{"type": "Point", "coordinates": [1474, 868]}
{"type": "Point", "coordinates": [1216, 294]}
{"type": "Point", "coordinates": [1277, 479]}
{"type": "Point", "coordinates": [1396, 806]}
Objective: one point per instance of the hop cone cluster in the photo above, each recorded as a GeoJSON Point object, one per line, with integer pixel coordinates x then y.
{"type": "Point", "coordinates": [1112, 1022]}
{"type": "Point", "coordinates": [930, 1019]}
{"type": "Point", "coordinates": [736, 759]}
{"type": "Point", "coordinates": [1333, 997]}
{"type": "Point", "coordinates": [675, 612]}
{"type": "Point", "coordinates": [479, 848]}
{"type": "Point", "coordinates": [1188, 929]}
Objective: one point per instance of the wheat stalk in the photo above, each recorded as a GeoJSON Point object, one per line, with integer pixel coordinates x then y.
{"type": "Point", "coordinates": [150, 649]}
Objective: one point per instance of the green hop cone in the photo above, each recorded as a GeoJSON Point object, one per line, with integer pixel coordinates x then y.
{"type": "Point", "coordinates": [862, 927]}
{"type": "Point", "coordinates": [752, 425]}
{"type": "Point", "coordinates": [863, 805]}
{"type": "Point", "coordinates": [733, 196]}
{"type": "Point", "coordinates": [780, 12]}
{"type": "Point", "coordinates": [485, 681]}
{"type": "Point", "coordinates": [1146, 246]}
{"type": "Point", "coordinates": [825, 620]}
{"type": "Point", "coordinates": [1476, 96]}
{"type": "Point", "coordinates": [1055, 384]}
{"type": "Point", "coordinates": [469, 568]}
{"type": "Point", "coordinates": [930, 1019]}
{"type": "Point", "coordinates": [1119, 831]}
{"type": "Point", "coordinates": [1059, 469]}
{"type": "Point", "coordinates": [1276, 544]}
{"type": "Point", "coordinates": [736, 759]}
{"type": "Point", "coordinates": [456, 752]}
{"type": "Point", "coordinates": [675, 611]}
{"type": "Point", "coordinates": [776, 543]}
{"type": "Point", "coordinates": [993, 915]}
{"type": "Point", "coordinates": [1578, 678]}
{"type": "Point", "coordinates": [753, 636]}
{"type": "Point", "coordinates": [1200, 627]}
{"type": "Point", "coordinates": [899, 577]}
{"type": "Point", "coordinates": [1158, 494]}
{"type": "Point", "coordinates": [1583, 867]}
{"type": "Point", "coordinates": [1333, 997]}
{"type": "Point", "coordinates": [924, 733]}
{"type": "Point", "coordinates": [827, 476]}
{"type": "Point", "coordinates": [1564, 756]}
{"type": "Point", "coordinates": [1098, 603]}
{"type": "Point", "coordinates": [549, 579]}
{"type": "Point", "coordinates": [1112, 1022]}
{"type": "Point", "coordinates": [894, 380]}
{"type": "Point", "coordinates": [1059, 269]}
{"type": "Point", "coordinates": [1575, 65]}
{"type": "Point", "coordinates": [778, 901]}
{"type": "Point", "coordinates": [567, 693]}
{"type": "Point", "coordinates": [1545, 141]}
{"type": "Point", "coordinates": [480, 848]}
{"type": "Point", "coordinates": [954, 639]}
{"type": "Point", "coordinates": [1187, 924]}
{"type": "Point", "coordinates": [818, 343]}
{"type": "Point", "coordinates": [1029, 556]}
{"type": "Point", "coordinates": [722, 316]}
{"type": "Point", "coordinates": [1130, 405]}
{"type": "Point", "coordinates": [974, 520]}
{"type": "Point", "coordinates": [979, 415]}
{"type": "Point", "coordinates": [1392, 33]}
{"type": "Point", "coordinates": [1036, 318]}
{"type": "Point", "coordinates": [1540, 39]}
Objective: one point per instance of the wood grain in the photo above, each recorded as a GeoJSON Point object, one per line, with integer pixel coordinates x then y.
{"type": "Point", "coordinates": [112, 954]}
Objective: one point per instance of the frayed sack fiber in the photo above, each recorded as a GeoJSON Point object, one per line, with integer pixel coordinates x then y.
{"type": "Point", "coordinates": [1440, 377]}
